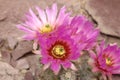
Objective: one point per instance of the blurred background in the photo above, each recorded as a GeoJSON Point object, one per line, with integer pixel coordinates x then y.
{"type": "Point", "coordinates": [17, 62]}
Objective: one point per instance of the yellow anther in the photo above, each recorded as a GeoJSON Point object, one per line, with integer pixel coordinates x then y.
{"type": "Point", "coordinates": [58, 51]}
{"type": "Point", "coordinates": [47, 28]}
{"type": "Point", "coordinates": [108, 61]}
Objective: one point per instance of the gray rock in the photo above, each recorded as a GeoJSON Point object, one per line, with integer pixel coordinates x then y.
{"type": "Point", "coordinates": [34, 63]}
{"type": "Point", "coordinates": [13, 62]}
{"type": "Point", "coordinates": [2, 41]}
{"type": "Point", "coordinates": [6, 77]}
{"type": "Point", "coordinates": [106, 14]}
{"type": "Point", "coordinates": [7, 69]}
{"type": "Point", "coordinates": [23, 48]}
{"type": "Point", "coordinates": [6, 56]}
{"type": "Point", "coordinates": [29, 76]}
{"type": "Point", "coordinates": [19, 77]}
{"type": "Point", "coordinates": [112, 40]}
{"type": "Point", "coordinates": [7, 72]}
{"type": "Point", "coordinates": [22, 64]}
{"type": "Point", "coordinates": [12, 42]}
{"type": "Point", "coordinates": [8, 29]}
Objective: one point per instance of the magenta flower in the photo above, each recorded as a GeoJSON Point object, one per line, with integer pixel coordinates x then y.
{"type": "Point", "coordinates": [65, 43]}
{"type": "Point", "coordinates": [58, 50]}
{"type": "Point", "coordinates": [46, 21]}
{"type": "Point", "coordinates": [83, 31]}
{"type": "Point", "coordinates": [106, 60]}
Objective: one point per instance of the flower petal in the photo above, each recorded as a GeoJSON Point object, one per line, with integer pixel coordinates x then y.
{"type": "Point", "coordinates": [24, 29]}
{"type": "Point", "coordinates": [52, 14]}
{"type": "Point", "coordinates": [35, 19]}
{"type": "Point", "coordinates": [42, 15]}
{"type": "Point", "coordinates": [46, 66]}
{"type": "Point", "coordinates": [66, 64]}
{"type": "Point", "coordinates": [28, 37]}
{"type": "Point", "coordinates": [45, 60]}
{"type": "Point", "coordinates": [62, 16]}
{"type": "Point", "coordinates": [73, 67]}
{"type": "Point", "coordinates": [55, 66]}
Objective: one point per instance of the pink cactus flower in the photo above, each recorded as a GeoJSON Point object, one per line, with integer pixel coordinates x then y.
{"type": "Point", "coordinates": [47, 21]}
{"type": "Point", "coordinates": [59, 50]}
{"type": "Point", "coordinates": [66, 43]}
{"type": "Point", "coordinates": [106, 60]}
{"type": "Point", "coordinates": [83, 31]}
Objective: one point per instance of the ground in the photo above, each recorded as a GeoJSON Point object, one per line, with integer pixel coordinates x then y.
{"type": "Point", "coordinates": [17, 62]}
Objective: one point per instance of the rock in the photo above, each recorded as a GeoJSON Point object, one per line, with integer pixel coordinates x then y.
{"type": "Point", "coordinates": [105, 15]}
{"type": "Point", "coordinates": [74, 6]}
{"type": "Point", "coordinates": [6, 56]}
{"type": "Point", "coordinates": [102, 37]}
{"type": "Point", "coordinates": [3, 15]}
{"type": "Point", "coordinates": [23, 48]}
{"type": "Point", "coordinates": [24, 71]}
{"type": "Point", "coordinates": [6, 77]}
{"type": "Point", "coordinates": [8, 29]}
{"type": "Point", "coordinates": [13, 62]}
{"type": "Point", "coordinates": [7, 72]}
{"type": "Point", "coordinates": [1, 42]}
{"type": "Point", "coordinates": [7, 69]}
{"type": "Point", "coordinates": [0, 55]}
{"type": "Point", "coordinates": [109, 39]}
{"type": "Point", "coordinates": [34, 63]}
{"type": "Point", "coordinates": [29, 76]}
{"type": "Point", "coordinates": [22, 64]}
{"type": "Point", "coordinates": [12, 42]}
{"type": "Point", "coordinates": [19, 77]}
{"type": "Point", "coordinates": [112, 40]}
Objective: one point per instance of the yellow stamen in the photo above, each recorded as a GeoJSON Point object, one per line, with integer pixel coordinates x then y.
{"type": "Point", "coordinates": [58, 51]}
{"type": "Point", "coordinates": [108, 61]}
{"type": "Point", "coordinates": [47, 28]}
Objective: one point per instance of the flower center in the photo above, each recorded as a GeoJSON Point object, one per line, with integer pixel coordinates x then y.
{"type": "Point", "coordinates": [46, 29]}
{"type": "Point", "coordinates": [58, 51]}
{"type": "Point", "coordinates": [108, 61]}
